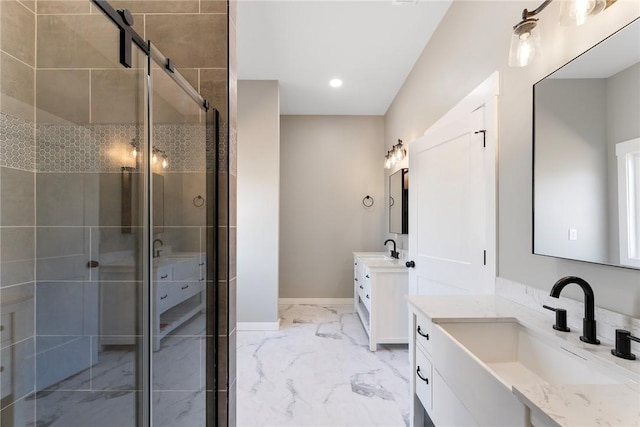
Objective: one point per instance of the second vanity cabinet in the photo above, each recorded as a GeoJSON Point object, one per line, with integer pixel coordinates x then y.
{"type": "Point", "coordinates": [178, 294]}
{"type": "Point", "coordinates": [380, 286]}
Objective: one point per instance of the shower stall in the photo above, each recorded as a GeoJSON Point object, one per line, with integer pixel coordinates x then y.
{"type": "Point", "coordinates": [114, 219]}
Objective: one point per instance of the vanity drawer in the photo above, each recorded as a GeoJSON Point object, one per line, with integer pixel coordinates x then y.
{"type": "Point", "coordinates": [164, 274]}
{"type": "Point", "coordinates": [423, 379]}
{"type": "Point", "coordinates": [187, 269]}
{"type": "Point", "coordinates": [422, 333]}
{"type": "Point", "coordinates": [6, 336]}
{"type": "Point", "coordinates": [164, 297]}
{"type": "Point", "coordinates": [5, 373]}
{"type": "Point", "coordinates": [185, 290]}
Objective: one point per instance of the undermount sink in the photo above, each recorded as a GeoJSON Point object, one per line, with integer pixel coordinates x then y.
{"type": "Point", "coordinates": [516, 354]}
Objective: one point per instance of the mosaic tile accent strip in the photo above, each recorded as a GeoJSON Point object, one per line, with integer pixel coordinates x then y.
{"type": "Point", "coordinates": [17, 143]}
{"type": "Point", "coordinates": [233, 152]}
{"type": "Point", "coordinates": [223, 148]}
{"type": "Point", "coordinates": [107, 147]}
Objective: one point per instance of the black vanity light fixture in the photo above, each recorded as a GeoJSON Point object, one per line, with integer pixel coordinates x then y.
{"type": "Point", "coordinates": [525, 41]}
{"type": "Point", "coordinates": [396, 154]}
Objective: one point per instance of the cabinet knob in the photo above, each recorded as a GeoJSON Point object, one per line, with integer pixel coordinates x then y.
{"type": "Point", "coordinates": [367, 276]}
{"type": "Point", "coordinates": [164, 277]}
{"type": "Point", "coordinates": [422, 333]}
{"type": "Point", "coordinates": [410, 264]}
{"type": "Point", "coordinates": [1, 368]}
{"type": "Point", "coordinates": [93, 264]}
{"type": "Point", "coordinates": [356, 279]}
{"type": "Point", "coordinates": [163, 297]}
{"type": "Point", "coordinates": [184, 287]}
{"type": "Point", "coordinates": [201, 264]}
{"type": "Point", "coordinates": [425, 379]}
{"type": "Point", "coordinates": [361, 287]}
{"type": "Point", "coordinates": [368, 296]}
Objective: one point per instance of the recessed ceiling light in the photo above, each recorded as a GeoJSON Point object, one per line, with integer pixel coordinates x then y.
{"type": "Point", "coordinates": [335, 83]}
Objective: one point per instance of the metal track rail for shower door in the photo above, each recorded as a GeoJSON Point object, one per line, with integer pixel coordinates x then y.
{"type": "Point", "coordinates": [124, 21]}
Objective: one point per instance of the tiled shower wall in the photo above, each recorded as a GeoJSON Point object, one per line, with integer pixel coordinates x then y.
{"type": "Point", "coordinates": [78, 87]}
{"type": "Point", "coordinates": [17, 208]}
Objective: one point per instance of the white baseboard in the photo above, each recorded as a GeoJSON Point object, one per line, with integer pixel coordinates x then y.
{"type": "Point", "coordinates": [258, 326]}
{"type": "Point", "coordinates": [317, 301]}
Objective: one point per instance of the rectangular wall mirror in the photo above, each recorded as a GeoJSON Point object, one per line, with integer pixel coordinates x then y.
{"type": "Point", "coordinates": [129, 200]}
{"type": "Point", "coordinates": [586, 170]}
{"type": "Point", "coordinates": [399, 202]}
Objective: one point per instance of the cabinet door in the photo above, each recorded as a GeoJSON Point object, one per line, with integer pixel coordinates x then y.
{"type": "Point", "coordinates": [448, 410]}
{"type": "Point", "coordinates": [423, 379]}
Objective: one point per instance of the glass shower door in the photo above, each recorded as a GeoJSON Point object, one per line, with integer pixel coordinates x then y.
{"type": "Point", "coordinates": [179, 285]}
{"type": "Point", "coordinates": [90, 129]}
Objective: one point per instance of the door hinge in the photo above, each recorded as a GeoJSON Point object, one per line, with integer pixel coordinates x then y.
{"type": "Point", "coordinates": [484, 137]}
{"type": "Point", "coordinates": [484, 255]}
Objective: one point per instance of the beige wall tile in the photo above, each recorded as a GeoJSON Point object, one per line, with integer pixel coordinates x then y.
{"type": "Point", "coordinates": [63, 6]}
{"type": "Point", "coordinates": [62, 96]}
{"type": "Point", "coordinates": [117, 96]}
{"type": "Point", "coordinates": [17, 30]}
{"type": "Point", "coordinates": [157, 6]}
{"type": "Point", "coordinates": [31, 4]}
{"type": "Point", "coordinates": [191, 41]}
{"type": "Point", "coordinates": [191, 75]}
{"type": "Point", "coordinates": [77, 41]}
{"type": "Point", "coordinates": [170, 103]}
{"type": "Point", "coordinates": [213, 87]}
{"type": "Point", "coordinates": [16, 88]}
{"type": "Point", "coordinates": [213, 6]}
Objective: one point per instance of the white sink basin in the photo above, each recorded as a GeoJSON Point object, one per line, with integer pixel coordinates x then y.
{"type": "Point", "coordinates": [518, 355]}
{"type": "Point", "coordinates": [375, 257]}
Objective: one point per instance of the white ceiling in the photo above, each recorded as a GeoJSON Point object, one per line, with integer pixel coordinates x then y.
{"type": "Point", "coordinates": [371, 45]}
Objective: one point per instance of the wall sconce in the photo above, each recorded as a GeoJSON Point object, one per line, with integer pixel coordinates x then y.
{"type": "Point", "coordinates": [396, 154]}
{"type": "Point", "coordinates": [525, 41]}
{"type": "Point", "coordinates": [157, 155]}
{"type": "Point", "coordinates": [160, 156]}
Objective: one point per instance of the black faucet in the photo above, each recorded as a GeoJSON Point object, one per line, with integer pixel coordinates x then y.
{"type": "Point", "coordinates": [394, 253]}
{"type": "Point", "coordinates": [589, 321]}
{"type": "Point", "coordinates": [156, 252]}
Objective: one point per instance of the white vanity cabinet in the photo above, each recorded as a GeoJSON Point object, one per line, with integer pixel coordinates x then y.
{"type": "Point", "coordinates": [178, 294]}
{"type": "Point", "coordinates": [380, 286]}
{"type": "Point", "coordinates": [430, 393]}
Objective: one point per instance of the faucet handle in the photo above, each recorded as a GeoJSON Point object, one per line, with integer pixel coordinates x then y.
{"type": "Point", "coordinates": [561, 318]}
{"type": "Point", "coordinates": [623, 345]}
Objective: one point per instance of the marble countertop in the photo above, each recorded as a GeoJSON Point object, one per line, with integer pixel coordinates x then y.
{"type": "Point", "coordinates": [559, 405]}
{"type": "Point", "coordinates": [380, 261]}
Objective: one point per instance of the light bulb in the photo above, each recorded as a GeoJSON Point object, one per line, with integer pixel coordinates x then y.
{"type": "Point", "coordinates": [387, 162]}
{"type": "Point", "coordinates": [576, 12]}
{"type": "Point", "coordinates": [525, 43]}
{"type": "Point", "coordinates": [134, 153]}
{"type": "Point", "coordinates": [400, 153]}
{"type": "Point", "coordinates": [165, 163]}
{"type": "Point", "coordinates": [154, 158]}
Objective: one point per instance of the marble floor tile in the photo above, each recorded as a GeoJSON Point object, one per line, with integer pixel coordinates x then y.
{"type": "Point", "coordinates": [317, 370]}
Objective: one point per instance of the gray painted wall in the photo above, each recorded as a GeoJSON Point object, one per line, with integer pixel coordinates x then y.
{"type": "Point", "coordinates": [258, 200]}
{"type": "Point", "coordinates": [472, 42]}
{"type": "Point", "coordinates": [328, 165]}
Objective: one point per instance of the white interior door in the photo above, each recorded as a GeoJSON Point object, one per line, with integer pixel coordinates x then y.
{"type": "Point", "coordinates": [451, 209]}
